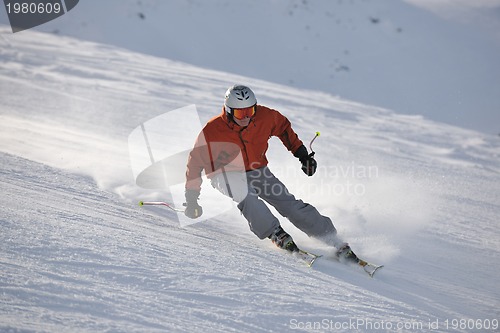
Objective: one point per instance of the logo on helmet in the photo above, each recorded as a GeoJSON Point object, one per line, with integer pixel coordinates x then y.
{"type": "Point", "coordinates": [243, 94]}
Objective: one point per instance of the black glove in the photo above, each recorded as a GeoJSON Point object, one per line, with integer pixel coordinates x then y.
{"type": "Point", "coordinates": [193, 210]}
{"type": "Point", "coordinates": [309, 164]}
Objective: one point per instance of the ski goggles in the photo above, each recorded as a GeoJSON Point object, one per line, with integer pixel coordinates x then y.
{"type": "Point", "coordinates": [244, 112]}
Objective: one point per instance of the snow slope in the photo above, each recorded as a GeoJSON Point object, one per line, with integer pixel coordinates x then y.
{"type": "Point", "coordinates": [386, 53]}
{"type": "Point", "coordinates": [78, 254]}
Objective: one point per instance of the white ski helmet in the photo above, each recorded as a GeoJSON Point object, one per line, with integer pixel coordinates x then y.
{"type": "Point", "coordinates": [239, 97]}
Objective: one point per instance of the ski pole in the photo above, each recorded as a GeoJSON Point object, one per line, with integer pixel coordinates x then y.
{"type": "Point", "coordinates": [160, 203]}
{"type": "Point", "coordinates": [310, 144]}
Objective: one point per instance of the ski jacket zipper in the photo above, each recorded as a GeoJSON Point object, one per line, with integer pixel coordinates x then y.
{"type": "Point", "coordinates": [240, 135]}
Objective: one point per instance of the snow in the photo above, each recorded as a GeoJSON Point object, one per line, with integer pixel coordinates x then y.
{"type": "Point", "coordinates": [78, 254]}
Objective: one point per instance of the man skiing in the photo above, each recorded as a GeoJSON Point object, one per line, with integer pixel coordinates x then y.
{"type": "Point", "coordinates": [231, 149]}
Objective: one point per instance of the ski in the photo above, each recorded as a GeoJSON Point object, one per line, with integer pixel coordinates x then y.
{"type": "Point", "coordinates": [307, 257]}
{"type": "Point", "coordinates": [369, 268]}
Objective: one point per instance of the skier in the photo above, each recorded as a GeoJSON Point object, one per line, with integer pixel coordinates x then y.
{"type": "Point", "coordinates": [231, 149]}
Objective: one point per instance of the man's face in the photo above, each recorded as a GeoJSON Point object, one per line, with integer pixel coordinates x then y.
{"type": "Point", "coordinates": [243, 116]}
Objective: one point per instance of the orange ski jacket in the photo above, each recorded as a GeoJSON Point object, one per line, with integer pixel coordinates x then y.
{"type": "Point", "coordinates": [222, 145]}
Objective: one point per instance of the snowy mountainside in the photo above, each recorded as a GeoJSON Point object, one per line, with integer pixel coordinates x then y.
{"type": "Point", "coordinates": [78, 254]}
{"type": "Point", "coordinates": [386, 53]}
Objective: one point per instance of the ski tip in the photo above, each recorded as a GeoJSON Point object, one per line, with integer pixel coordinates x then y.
{"type": "Point", "coordinates": [314, 259]}
{"type": "Point", "coordinates": [318, 133]}
{"type": "Point", "coordinates": [141, 203]}
{"type": "Point", "coordinates": [372, 273]}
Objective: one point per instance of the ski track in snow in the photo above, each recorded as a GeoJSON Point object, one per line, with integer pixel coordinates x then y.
{"type": "Point", "coordinates": [78, 254]}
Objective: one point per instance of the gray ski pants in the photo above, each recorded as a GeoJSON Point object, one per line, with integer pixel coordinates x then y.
{"type": "Point", "coordinates": [248, 188]}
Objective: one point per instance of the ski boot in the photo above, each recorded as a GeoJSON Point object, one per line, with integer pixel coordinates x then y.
{"type": "Point", "coordinates": [345, 254]}
{"type": "Point", "coordinates": [283, 240]}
